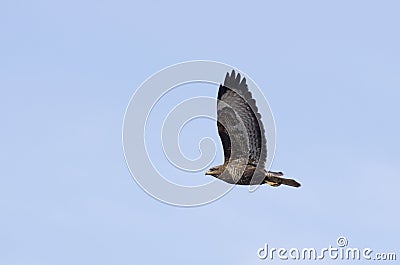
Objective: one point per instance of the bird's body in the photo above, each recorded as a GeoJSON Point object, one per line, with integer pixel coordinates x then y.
{"type": "Point", "coordinates": [242, 136]}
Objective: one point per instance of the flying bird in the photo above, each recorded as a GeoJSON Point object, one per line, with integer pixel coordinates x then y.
{"type": "Point", "coordinates": [243, 138]}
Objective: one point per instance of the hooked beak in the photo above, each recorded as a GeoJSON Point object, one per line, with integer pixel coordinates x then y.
{"type": "Point", "coordinates": [208, 172]}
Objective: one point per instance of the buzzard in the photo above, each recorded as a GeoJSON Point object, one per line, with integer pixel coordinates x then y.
{"type": "Point", "coordinates": [243, 138]}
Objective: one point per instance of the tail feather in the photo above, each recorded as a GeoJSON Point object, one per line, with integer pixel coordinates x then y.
{"type": "Point", "coordinates": [274, 179]}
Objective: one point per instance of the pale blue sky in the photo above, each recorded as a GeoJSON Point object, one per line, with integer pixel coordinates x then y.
{"type": "Point", "coordinates": [330, 70]}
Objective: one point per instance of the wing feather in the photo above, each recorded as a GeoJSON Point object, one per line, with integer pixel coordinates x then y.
{"type": "Point", "coordinates": [239, 123]}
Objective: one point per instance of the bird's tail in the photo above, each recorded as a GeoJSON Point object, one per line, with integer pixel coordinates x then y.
{"type": "Point", "coordinates": [275, 179]}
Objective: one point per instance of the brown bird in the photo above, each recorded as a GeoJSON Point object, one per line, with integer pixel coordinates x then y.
{"type": "Point", "coordinates": [243, 138]}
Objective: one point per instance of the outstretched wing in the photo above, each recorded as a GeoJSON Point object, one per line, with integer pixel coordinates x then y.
{"type": "Point", "coordinates": [239, 123]}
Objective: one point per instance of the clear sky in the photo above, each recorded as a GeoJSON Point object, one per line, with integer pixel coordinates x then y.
{"type": "Point", "coordinates": [330, 70]}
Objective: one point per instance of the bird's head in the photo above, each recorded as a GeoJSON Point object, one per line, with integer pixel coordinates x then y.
{"type": "Point", "coordinates": [215, 171]}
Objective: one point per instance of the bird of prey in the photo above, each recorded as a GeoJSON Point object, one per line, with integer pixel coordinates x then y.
{"type": "Point", "coordinates": [243, 138]}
